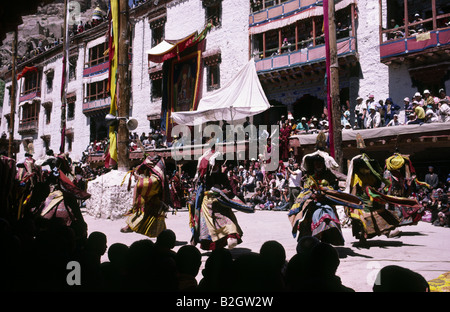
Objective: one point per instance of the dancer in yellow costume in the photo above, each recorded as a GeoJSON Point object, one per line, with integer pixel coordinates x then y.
{"type": "Point", "coordinates": [383, 211]}
{"type": "Point", "coordinates": [150, 198]}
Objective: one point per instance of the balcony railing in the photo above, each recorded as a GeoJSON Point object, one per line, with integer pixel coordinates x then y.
{"type": "Point", "coordinates": [280, 10]}
{"type": "Point", "coordinates": [97, 105]}
{"type": "Point", "coordinates": [416, 43]}
{"type": "Point", "coordinates": [29, 125]}
{"type": "Point", "coordinates": [30, 94]}
{"type": "Point", "coordinates": [96, 70]}
{"type": "Point", "coordinates": [304, 56]}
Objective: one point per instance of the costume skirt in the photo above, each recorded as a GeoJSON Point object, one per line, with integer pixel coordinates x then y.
{"type": "Point", "coordinates": [216, 223]}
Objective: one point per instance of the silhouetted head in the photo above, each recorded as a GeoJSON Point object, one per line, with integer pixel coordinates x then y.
{"type": "Point", "coordinates": [166, 239]}
{"type": "Point", "coordinates": [393, 278]}
{"type": "Point", "coordinates": [188, 260]}
{"type": "Point", "coordinates": [273, 253]}
{"type": "Point", "coordinates": [324, 259]}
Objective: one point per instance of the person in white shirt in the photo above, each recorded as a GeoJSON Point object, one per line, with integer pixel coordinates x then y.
{"type": "Point", "coordinates": [431, 116]}
{"type": "Point", "coordinates": [374, 118]}
{"type": "Point", "coordinates": [444, 110]}
{"type": "Point", "coordinates": [360, 111]}
{"type": "Point", "coordinates": [394, 122]}
{"type": "Point", "coordinates": [295, 178]}
{"type": "Point", "coordinates": [248, 184]}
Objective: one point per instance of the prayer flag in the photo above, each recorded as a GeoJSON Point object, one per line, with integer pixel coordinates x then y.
{"type": "Point", "coordinates": [112, 83]}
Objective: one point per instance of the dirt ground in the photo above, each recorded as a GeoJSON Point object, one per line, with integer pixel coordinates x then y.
{"type": "Point", "coordinates": [422, 248]}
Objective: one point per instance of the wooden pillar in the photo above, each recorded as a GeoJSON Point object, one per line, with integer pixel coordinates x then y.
{"type": "Point", "coordinates": [264, 44]}
{"type": "Point", "coordinates": [314, 31]}
{"type": "Point", "coordinates": [280, 40]}
{"type": "Point", "coordinates": [433, 12]}
{"type": "Point", "coordinates": [334, 112]}
{"type": "Point", "coordinates": [352, 8]}
{"type": "Point", "coordinates": [296, 36]}
{"type": "Point", "coordinates": [13, 97]}
{"type": "Point", "coordinates": [406, 17]}
{"type": "Point", "coordinates": [123, 88]}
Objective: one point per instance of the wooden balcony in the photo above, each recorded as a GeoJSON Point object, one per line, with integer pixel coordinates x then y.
{"type": "Point", "coordinates": [436, 42]}
{"type": "Point", "coordinates": [99, 106]}
{"type": "Point", "coordinates": [29, 125]}
{"type": "Point", "coordinates": [304, 56]}
{"type": "Point", "coordinates": [29, 95]}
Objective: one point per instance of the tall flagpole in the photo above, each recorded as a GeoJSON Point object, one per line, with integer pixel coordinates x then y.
{"type": "Point", "coordinates": [13, 97]}
{"type": "Point", "coordinates": [64, 80]}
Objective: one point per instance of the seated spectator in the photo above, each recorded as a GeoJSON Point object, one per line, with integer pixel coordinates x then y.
{"type": "Point", "coordinates": [394, 121]}
{"type": "Point", "coordinates": [390, 109]}
{"type": "Point", "coordinates": [393, 278]}
{"type": "Point", "coordinates": [431, 116]}
{"type": "Point", "coordinates": [188, 261]}
{"type": "Point", "coordinates": [249, 183]}
{"type": "Point", "coordinates": [302, 126]}
{"type": "Point", "coordinates": [418, 116]}
{"type": "Point", "coordinates": [444, 110]}
{"type": "Point", "coordinates": [259, 199]}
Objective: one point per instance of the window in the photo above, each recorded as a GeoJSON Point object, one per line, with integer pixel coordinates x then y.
{"type": "Point", "coordinates": [97, 54]}
{"type": "Point", "coordinates": [29, 112]}
{"type": "Point", "coordinates": [213, 12]}
{"type": "Point", "coordinates": [213, 82]}
{"type": "Point", "coordinates": [96, 90]}
{"type": "Point", "coordinates": [158, 30]}
{"type": "Point", "coordinates": [212, 63]}
{"type": "Point", "coordinates": [156, 75]}
{"type": "Point", "coordinates": [29, 117]}
{"type": "Point", "coordinates": [47, 111]}
{"type": "Point", "coordinates": [31, 83]}
{"type": "Point", "coordinates": [50, 75]}
{"type": "Point", "coordinates": [73, 68]}
{"type": "Point", "coordinates": [156, 89]}
{"type": "Point", "coordinates": [70, 110]}
{"type": "Point", "coordinates": [48, 115]}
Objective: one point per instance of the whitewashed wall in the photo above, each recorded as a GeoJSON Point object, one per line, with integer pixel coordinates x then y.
{"type": "Point", "coordinates": [374, 79]}
{"type": "Point", "coordinates": [140, 102]}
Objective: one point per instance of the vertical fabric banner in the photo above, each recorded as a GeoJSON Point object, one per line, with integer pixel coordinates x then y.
{"type": "Point", "coordinates": [64, 77]}
{"type": "Point", "coordinates": [112, 83]}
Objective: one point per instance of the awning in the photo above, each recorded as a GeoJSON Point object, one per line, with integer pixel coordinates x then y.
{"type": "Point", "coordinates": [169, 48]}
{"type": "Point", "coordinates": [242, 97]}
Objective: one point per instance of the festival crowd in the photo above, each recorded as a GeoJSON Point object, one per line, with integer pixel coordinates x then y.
{"type": "Point", "coordinates": [36, 252]}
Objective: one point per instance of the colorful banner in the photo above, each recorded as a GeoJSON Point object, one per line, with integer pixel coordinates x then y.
{"type": "Point", "coordinates": [112, 83]}
{"type": "Point", "coordinates": [27, 70]}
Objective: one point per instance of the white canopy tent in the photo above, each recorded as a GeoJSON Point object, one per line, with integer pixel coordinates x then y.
{"type": "Point", "coordinates": [242, 97]}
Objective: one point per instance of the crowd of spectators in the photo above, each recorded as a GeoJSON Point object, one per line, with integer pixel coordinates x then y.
{"type": "Point", "coordinates": [369, 113]}
{"type": "Point", "coordinates": [52, 41]}
{"type": "Point", "coordinates": [37, 252]}
{"type": "Point", "coordinates": [48, 256]}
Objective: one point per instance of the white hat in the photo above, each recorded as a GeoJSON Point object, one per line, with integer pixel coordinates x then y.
{"type": "Point", "coordinates": [429, 111]}
{"type": "Point", "coordinates": [406, 99]}
{"type": "Point", "coordinates": [415, 102]}
{"type": "Point", "coordinates": [359, 98]}
{"type": "Point", "coordinates": [426, 91]}
{"type": "Point", "coordinates": [417, 94]}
